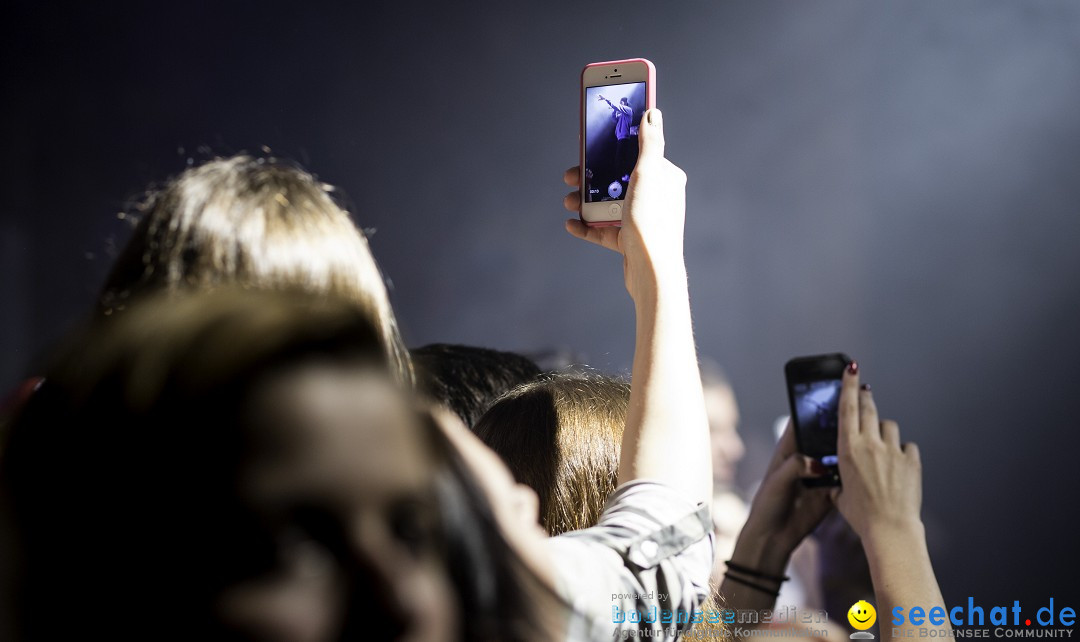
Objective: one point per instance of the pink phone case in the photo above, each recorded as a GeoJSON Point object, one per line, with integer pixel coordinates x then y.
{"type": "Point", "coordinates": [650, 102]}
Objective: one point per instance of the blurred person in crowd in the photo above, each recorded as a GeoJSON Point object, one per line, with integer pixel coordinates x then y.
{"type": "Point", "coordinates": [240, 465]}
{"type": "Point", "coordinates": [468, 379]}
{"type": "Point", "coordinates": [728, 449]}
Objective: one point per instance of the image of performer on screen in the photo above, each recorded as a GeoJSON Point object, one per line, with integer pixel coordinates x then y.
{"type": "Point", "coordinates": [623, 115]}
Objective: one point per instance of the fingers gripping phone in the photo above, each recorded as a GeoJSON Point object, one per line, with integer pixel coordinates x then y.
{"type": "Point", "coordinates": [614, 95]}
{"type": "Point", "coordinates": [813, 385]}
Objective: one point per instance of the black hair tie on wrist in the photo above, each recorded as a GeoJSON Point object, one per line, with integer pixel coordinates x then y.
{"type": "Point", "coordinates": [779, 579]}
{"type": "Point", "coordinates": [753, 585]}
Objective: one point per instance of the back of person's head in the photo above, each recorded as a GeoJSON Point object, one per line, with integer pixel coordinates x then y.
{"type": "Point", "coordinates": [468, 379]}
{"type": "Point", "coordinates": [258, 223]}
{"type": "Point", "coordinates": [240, 464]}
{"type": "Point", "coordinates": [562, 436]}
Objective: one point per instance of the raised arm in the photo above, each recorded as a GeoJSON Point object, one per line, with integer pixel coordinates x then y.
{"type": "Point", "coordinates": [881, 499]}
{"type": "Point", "coordinates": [667, 433]}
{"type": "Point", "coordinates": [783, 513]}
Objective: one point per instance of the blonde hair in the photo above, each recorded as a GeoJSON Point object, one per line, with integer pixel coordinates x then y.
{"type": "Point", "coordinates": [258, 223]}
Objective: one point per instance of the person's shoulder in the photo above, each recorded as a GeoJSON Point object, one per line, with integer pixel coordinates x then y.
{"type": "Point", "coordinates": [646, 510]}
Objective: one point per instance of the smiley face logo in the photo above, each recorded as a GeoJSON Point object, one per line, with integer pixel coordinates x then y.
{"type": "Point", "coordinates": [862, 615]}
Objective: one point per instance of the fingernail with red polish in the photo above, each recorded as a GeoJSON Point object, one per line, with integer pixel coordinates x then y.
{"type": "Point", "coordinates": [817, 467]}
{"type": "Point", "coordinates": [853, 367]}
{"type": "Point", "coordinates": [865, 387]}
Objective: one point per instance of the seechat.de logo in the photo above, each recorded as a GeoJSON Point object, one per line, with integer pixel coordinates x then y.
{"type": "Point", "coordinates": [974, 615]}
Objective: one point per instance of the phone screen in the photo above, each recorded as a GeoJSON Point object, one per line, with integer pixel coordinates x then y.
{"type": "Point", "coordinates": [814, 385]}
{"type": "Point", "coordinates": [817, 406]}
{"type": "Point", "coordinates": [612, 116]}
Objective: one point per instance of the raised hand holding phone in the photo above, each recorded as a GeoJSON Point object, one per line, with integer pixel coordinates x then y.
{"type": "Point", "coordinates": [813, 386]}
{"type": "Point", "coordinates": [667, 432]}
{"type": "Point", "coordinates": [882, 479]}
{"type": "Point", "coordinates": [651, 236]}
{"type": "Point", "coordinates": [881, 499]}
{"type": "Point", "coordinates": [784, 511]}
{"type": "Point", "coordinates": [614, 97]}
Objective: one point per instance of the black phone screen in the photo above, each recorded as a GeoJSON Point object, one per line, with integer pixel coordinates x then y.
{"type": "Point", "coordinates": [814, 392]}
{"type": "Point", "coordinates": [612, 117]}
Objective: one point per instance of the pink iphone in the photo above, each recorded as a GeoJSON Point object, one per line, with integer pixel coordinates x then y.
{"type": "Point", "coordinates": [614, 95]}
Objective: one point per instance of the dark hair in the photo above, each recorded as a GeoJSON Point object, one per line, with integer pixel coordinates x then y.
{"type": "Point", "coordinates": [121, 473]}
{"type": "Point", "coordinates": [469, 379]}
{"type": "Point", "coordinates": [258, 223]}
{"type": "Point", "coordinates": [502, 598]}
{"type": "Point", "coordinates": [561, 436]}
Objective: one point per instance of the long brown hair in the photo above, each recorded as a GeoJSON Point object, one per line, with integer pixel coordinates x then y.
{"type": "Point", "coordinates": [259, 223]}
{"type": "Point", "coordinates": [561, 436]}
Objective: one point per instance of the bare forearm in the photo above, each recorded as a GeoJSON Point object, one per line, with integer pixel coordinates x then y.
{"type": "Point", "coordinates": [667, 435]}
{"type": "Point", "coordinates": [904, 577]}
{"type": "Point", "coordinates": [757, 551]}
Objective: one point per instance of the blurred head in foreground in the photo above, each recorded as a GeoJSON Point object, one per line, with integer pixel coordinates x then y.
{"type": "Point", "coordinates": [257, 223]}
{"type": "Point", "coordinates": [241, 465]}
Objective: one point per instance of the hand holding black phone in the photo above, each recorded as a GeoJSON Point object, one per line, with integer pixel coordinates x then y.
{"type": "Point", "coordinates": [813, 385]}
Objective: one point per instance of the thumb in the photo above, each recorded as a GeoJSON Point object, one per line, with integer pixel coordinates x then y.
{"type": "Point", "coordinates": [783, 478]}
{"type": "Point", "coordinates": [651, 135]}
{"type": "Point", "coordinates": [785, 447]}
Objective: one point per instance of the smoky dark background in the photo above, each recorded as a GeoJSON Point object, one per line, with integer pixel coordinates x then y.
{"type": "Point", "coordinates": [896, 180]}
